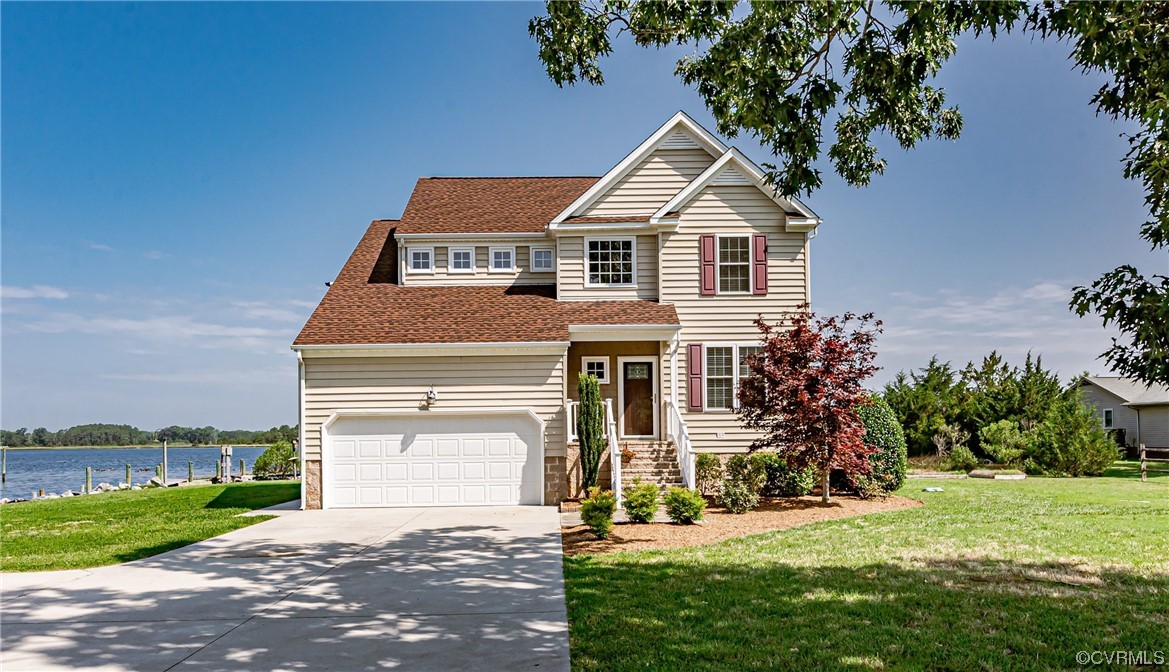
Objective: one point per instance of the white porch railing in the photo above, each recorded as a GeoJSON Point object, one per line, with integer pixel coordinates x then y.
{"type": "Point", "coordinates": [571, 409]}
{"type": "Point", "coordinates": [614, 449]}
{"type": "Point", "coordinates": [677, 432]}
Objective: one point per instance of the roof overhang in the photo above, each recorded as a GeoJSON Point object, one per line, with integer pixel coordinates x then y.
{"type": "Point", "coordinates": [622, 332]}
{"type": "Point", "coordinates": [703, 137]}
{"type": "Point", "coordinates": [666, 216]}
{"type": "Point", "coordinates": [432, 349]}
{"type": "Point", "coordinates": [574, 228]}
{"type": "Point", "coordinates": [469, 237]}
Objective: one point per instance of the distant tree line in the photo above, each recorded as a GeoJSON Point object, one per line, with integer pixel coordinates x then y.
{"type": "Point", "coordinates": [127, 435]}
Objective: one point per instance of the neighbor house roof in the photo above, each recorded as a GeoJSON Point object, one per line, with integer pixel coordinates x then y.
{"type": "Point", "coordinates": [358, 311]}
{"type": "Point", "coordinates": [488, 204]}
{"type": "Point", "coordinates": [1134, 392]}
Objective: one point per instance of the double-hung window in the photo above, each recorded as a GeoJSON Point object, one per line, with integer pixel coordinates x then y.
{"type": "Point", "coordinates": [421, 259]}
{"type": "Point", "coordinates": [1108, 418]}
{"type": "Point", "coordinates": [734, 264]}
{"type": "Point", "coordinates": [726, 365]}
{"type": "Point", "coordinates": [502, 259]}
{"type": "Point", "coordinates": [610, 262]}
{"type": "Point", "coordinates": [543, 260]}
{"type": "Point", "coordinates": [462, 260]}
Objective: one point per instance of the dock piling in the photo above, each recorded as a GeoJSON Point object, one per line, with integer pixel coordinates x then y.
{"type": "Point", "coordinates": [88, 480]}
{"type": "Point", "coordinates": [190, 472]}
{"type": "Point", "coordinates": [128, 483]}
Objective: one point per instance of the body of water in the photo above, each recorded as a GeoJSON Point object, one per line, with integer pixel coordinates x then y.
{"type": "Point", "coordinates": [64, 469]}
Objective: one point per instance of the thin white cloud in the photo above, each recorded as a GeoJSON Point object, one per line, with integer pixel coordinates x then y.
{"type": "Point", "coordinates": [156, 255]}
{"type": "Point", "coordinates": [262, 310]}
{"type": "Point", "coordinates": [164, 331]}
{"type": "Point", "coordinates": [100, 247]}
{"type": "Point", "coordinates": [965, 326]}
{"type": "Point", "coordinates": [33, 292]}
{"type": "Point", "coordinates": [207, 377]}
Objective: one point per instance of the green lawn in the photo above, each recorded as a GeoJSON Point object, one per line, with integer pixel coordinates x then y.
{"type": "Point", "coordinates": [109, 528]}
{"type": "Point", "coordinates": [988, 575]}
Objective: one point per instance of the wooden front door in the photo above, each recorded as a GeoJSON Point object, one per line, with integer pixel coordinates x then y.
{"type": "Point", "coordinates": [637, 392]}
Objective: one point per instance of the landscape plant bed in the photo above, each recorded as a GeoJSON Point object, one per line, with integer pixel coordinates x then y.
{"type": "Point", "coordinates": [720, 524]}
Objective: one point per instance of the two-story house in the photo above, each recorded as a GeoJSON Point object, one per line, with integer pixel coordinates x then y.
{"type": "Point", "coordinates": [441, 366]}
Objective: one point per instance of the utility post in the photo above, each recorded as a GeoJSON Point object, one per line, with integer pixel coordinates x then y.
{"type": "Point", "coordinates": [164, 461]}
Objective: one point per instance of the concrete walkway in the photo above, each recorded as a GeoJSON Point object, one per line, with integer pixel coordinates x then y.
{"type": "Point", "coordinates": [410, 589]}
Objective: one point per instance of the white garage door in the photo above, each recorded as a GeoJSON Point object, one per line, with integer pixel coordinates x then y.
{"type": "Point", "coordinates": [434, 460]}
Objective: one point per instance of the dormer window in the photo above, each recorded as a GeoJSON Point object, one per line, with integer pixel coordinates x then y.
{"type": "Point", "coordinates": [502, 259]}
{"type": "Point", "coordinates": [543, 260]}
{"type": "Point", "coordinates": [421, 260]}
{"type": "Point", "coordinates": [462, 260]}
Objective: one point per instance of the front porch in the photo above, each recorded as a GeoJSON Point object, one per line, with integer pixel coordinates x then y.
{"type": "Point", "coordinates": [640, 418]}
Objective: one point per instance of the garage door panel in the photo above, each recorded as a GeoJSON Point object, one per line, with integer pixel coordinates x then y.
{"type": "Point", "coordinates": [428, 461]}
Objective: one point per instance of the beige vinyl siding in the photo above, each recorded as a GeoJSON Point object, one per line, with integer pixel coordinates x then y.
{"type": "Point", "coordinates": [482, 274]}
{"type": "Point", "coordinates": [570, 280]}
{"type": "Point", "coordinates": [1155, 426]}
{"type": "Point", "coordinates": [1123, 417]}
{"type": "Point", "coordinates": [652, 183]}
{"type": "Point", "coordinates": [723, 319]}
{"type": "Point", "coordinates": [401, 383]}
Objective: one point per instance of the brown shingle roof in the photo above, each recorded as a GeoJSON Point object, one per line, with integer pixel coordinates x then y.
{"type": "Point", "coordinates": [489, 204]}
{"type": "Point", "coordinates": [356, 311]}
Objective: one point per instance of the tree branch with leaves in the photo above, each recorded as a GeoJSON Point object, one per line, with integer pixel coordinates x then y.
{"type": "Point", "coordinates": [780, 72]}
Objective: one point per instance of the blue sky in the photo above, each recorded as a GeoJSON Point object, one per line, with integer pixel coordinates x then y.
{"type": "Point", "coordinates": [179, 181]}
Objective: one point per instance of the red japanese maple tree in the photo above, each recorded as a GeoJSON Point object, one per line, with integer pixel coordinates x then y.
{"type": "Point", "coordinates": [804, 389]}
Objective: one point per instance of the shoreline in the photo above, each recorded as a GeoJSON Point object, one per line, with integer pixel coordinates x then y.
{"type": "Point", "coordinates": [157, 446]}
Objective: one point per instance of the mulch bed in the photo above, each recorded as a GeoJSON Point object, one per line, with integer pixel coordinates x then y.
{"type": "Point", "coordinates": [720, 524]}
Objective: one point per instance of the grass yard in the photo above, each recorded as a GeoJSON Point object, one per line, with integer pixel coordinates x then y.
{"type": "Point", "coordinates": [988, 575]}
{"type": "Point", "coordinates": [109, 528]}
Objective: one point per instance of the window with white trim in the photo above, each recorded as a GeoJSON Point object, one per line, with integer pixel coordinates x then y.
{"type": "Point", "coordinates": [726, 365]}
{"type": "Point", "coordinates": [1108, 418]}
{"type": "Point", "coordinates": [734, 264]}
{"type": "Point", "coordinates": [462, 260]}
{"type": "Point", "coordinates": [421, 259]}
{"type": "Point", "coordinates": [597, 366]}
{"type": "Point", "coordinates": [610, 262]}
{"type": "Point", "coordinates": [502, 259]}
{"type": "Point", "coordinates": [543, 260]}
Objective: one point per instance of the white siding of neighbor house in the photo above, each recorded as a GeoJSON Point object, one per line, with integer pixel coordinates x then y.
{"type": "Point", "coordinates": [482, 274]}
{"type": "Point", "coordinates": [652, 182]}
{"type": "Point", "coordinates": [570, 274]}
{"type": "Point", "coordinates": [725, 319]}
{"type": "Point", "coordinates": [1155, 426]}
{"type": "Point", "coordinates": [1123, 417]}
{"type": "Point", "coordinates": [462, 382]}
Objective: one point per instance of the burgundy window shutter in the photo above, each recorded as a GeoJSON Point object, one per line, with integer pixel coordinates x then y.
{"type": "Point", "coordinates": [759, 264]}
{"type": "Point", "coordinates": [709, 270]}
{"type": "Point", "coordinates": [694, 377]}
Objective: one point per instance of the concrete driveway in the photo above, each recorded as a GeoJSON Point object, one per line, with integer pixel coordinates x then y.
{"type": "Point", "coordinates": [410, 589]}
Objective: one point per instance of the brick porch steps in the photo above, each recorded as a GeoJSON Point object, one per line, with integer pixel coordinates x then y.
{"type": "Point", "coordinates": [653, 462]}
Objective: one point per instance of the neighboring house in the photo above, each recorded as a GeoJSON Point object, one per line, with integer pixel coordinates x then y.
{"type": "Point", "coordinates": [441, 366]}
{"type": "Point", "coordinates": [1139, 409]}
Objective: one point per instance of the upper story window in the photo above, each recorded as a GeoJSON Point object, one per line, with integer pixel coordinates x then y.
{"type": "Point", "coordinates": [421, 259]}
{"type": "Point", "coordinates": [734, 264]}
{"type": "Point", "coordinates": [543, 259]}
{"type": "Point", "coordinates": [502, 259]}
{"type": "Point", "coordinates": [1108, 418]}
{"type": "Point", "coordinates": [610, 262]}
{"type": "Point", "coordinates": [462, 260]}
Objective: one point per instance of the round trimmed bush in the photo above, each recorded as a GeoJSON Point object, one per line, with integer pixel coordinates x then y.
{"type": "Point", "coordinates": [683, 505]}
{"type": "Point", "coordinates": [641, 501]}
{"type": "Point", "coordinates": [741, 485]}
{"type": "Point", "coordinates": [276, 460]}
{"type": "Point", "coordinates": [597, 511]}
{"type": "Point", "coordinates": [708, 470]}
{"type": "Point", "coordinates": [888, 462]}
{"type": "Point", "coordinates": [781, 480]}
